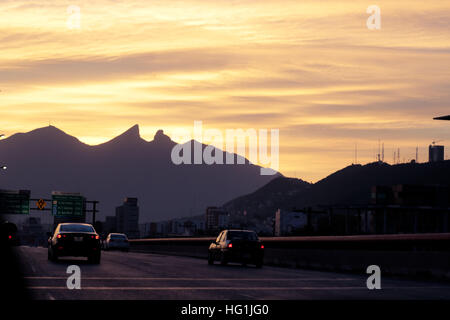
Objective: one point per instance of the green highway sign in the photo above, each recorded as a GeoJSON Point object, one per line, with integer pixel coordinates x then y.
{"type": "Point", "coordinates": [67, 204]}
{"type": "Point", "coordinates": [14, 201]}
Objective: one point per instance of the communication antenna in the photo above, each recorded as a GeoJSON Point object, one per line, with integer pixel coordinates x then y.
{"type": "Point", "coordinates": [398, 155]}
{"type": "Point", "coordinates": [417, 154]}
{"type": "Point", "coordinates": [382, 153]}
{"type": "Point", "coordinates": [378, 155]}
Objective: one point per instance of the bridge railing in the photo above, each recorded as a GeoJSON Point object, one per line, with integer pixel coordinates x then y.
{"type": "Point", "coordinates": [402, 254]}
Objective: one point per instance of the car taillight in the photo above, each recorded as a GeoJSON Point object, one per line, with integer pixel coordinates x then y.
{"type": "Point", "coordinates": [230, 245]}
{"type": "Point", "coordinates": [262, 246]}
{"type": "Point", "coordinates": [10, 237]}
{"type": "Point", "coordinates": [58, 236]}
{"type": "Point", "coordinates": [97, 237]}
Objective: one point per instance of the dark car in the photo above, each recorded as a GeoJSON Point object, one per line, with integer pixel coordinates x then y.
{"type": "Point", "coordinates": [8, 233]}
{"type": "Point", "coordinates": [241, 246]}
{"type": "Point", "coordinates": [75, 239]}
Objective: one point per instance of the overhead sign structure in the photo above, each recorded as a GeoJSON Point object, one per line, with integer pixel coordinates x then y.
{"type": "Point", "coordinates": [14, 201]}
{"type": "Point", "coordinates": [67, 204]}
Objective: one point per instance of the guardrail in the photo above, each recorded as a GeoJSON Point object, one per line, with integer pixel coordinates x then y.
{"type": "Point", "coordinates": [401, 254]}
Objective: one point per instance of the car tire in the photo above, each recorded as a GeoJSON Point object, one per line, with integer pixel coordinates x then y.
{"type": "Point", "coordinates": [52, 256]}
{"type": "Point", "coordinates": [223, 260]}
{"type": "Point", "coordinates": [210, 259]}
{"type": "Point", "coordinates": [94, 259]}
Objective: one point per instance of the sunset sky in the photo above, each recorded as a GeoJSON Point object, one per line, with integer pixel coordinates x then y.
{"type": "Point", "coordinates": [311, 69]}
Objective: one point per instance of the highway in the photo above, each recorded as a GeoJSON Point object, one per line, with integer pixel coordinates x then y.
{"type": "Point", "coordinates": [138, 276]}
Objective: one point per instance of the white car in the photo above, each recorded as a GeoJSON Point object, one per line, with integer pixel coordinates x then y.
{"type": "Point", "coordinates": [117, 241]}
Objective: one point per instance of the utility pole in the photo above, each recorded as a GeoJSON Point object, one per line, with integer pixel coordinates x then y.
{"type": "Point", "coordinates": [94, 211]}
{"type": "Point", "coordinates": [2, 167]}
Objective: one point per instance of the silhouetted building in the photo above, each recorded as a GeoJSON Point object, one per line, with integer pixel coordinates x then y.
{"type": "Point", "coordinates": [216, 218]}
{"type": "Point", "coordinates": [110, 225]}
{"type": "Point", "coordinates": [127, 218]}
{"type": "Point", "coordinates": [149, 229]}
{"type": "Point", "coordinates": [287, 223]}
{"type": "Point", "coordinates": [411, 195]}
{"type": "Point", "coordinates": [409, 209]}
{"type": "Point", "coordinates": [435, 153]}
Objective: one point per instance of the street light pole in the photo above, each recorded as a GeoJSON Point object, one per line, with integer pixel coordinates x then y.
{"type": "Point", "coordinates": [442, 118]}
{"type": "Point", "coordinates": [2, 167]}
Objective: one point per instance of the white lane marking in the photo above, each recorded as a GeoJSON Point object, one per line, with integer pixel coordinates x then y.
{"type": "Point", "coordinates": [195, 279]}
{"type": "Point", "coordinates": [50, 296]}
{"type": "Point", "coordinates": [228, 288]}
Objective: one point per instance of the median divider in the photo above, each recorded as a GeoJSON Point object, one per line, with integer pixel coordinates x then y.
{"type": "Point", "coordinates": [416, 255]}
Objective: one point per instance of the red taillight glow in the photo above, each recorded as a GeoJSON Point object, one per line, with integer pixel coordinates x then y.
{"type": "Point", "coordinates": [10, 237]}
{"type": "Point", "coordinates": [230, 245]}
{"type": "Point", "coordinates": [262, 246]}
{"type": "Point", "coordinates": [97, 237]}
{"type": "Point", "coordinates": [58, 236]}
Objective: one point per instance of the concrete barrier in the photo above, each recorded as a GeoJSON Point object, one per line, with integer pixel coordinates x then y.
{"type": "Point", "coordinates": [417, 255]}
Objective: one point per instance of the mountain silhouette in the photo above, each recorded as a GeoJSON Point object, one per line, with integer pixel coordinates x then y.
{"type": "Point", "coordinates": [281, 192]}
{"type": "Point", "coordinates": [48, 159]}
{"type": "Point", "coordinates": [348, 186]}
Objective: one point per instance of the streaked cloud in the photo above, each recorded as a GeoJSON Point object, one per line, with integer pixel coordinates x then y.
{"type": "Point", "coordinates": [311, 69]}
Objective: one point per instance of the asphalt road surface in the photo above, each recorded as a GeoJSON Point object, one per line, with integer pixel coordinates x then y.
{"type": "Point", "coordinates": [139, 276]}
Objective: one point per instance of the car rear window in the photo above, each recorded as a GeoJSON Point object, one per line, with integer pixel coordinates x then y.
{"type": "Point", "coordinates": [242, 235]}
{"type": "Point", "coordinates": [118, 236]}
{"type": "Point", "coordinates": [76, 228]}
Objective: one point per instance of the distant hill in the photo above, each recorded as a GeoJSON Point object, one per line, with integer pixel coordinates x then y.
{"type": "Point", "coordinates": [47, 159]}
{"type": "Point", "coordinates": [351, 185]}
{"type": "Point", "coordinates": [279, 193]}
